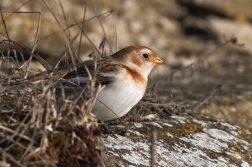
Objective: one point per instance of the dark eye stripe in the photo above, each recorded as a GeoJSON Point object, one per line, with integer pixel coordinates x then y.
{"type": "Point", "coordinates": [145, 55]}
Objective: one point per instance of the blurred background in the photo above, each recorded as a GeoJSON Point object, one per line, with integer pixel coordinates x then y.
{"type": "Point", "coordinates": [204, 44]}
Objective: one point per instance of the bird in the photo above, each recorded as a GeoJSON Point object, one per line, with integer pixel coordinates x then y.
{"type": "Point", "coordinates": [124, 76]}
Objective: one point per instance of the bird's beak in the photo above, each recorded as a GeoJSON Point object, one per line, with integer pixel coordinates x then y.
{"type": "Point", "coordinates": [157, 60]}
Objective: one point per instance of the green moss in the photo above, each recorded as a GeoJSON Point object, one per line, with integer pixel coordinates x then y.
{"type": "Point", "coordinates": [8, 101]}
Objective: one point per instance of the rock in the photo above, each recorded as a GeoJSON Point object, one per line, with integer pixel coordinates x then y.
{"type": "Point", "coordinates": [192, 140]}
{"type": "Point", "coordinates": [227, 8]}
{"type": "Point", "coordinates": [226, 28]}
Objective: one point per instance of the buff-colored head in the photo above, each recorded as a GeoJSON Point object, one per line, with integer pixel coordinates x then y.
{"type": "Point", "coordinates": [138, 58]}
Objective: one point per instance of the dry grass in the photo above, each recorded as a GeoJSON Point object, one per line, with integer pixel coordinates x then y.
{"type": "Point", "coordinates": [35, 129]}
{"type": "Point", "coordinates": [38, 127]}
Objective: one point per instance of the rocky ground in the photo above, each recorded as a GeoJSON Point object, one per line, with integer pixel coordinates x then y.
{"type": "Point", "coordinates": [204, 45]}
{"type": "Point", "coordinates": [189, 140]}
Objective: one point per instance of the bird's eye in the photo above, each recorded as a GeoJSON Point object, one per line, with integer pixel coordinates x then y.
{"type": "Point", "coordinates": [145, 55]}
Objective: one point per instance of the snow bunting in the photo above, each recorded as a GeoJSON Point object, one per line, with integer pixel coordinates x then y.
{"type": "Point", "coordinates": [124, 75]}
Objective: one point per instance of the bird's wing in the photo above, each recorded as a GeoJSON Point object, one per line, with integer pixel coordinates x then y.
{"type": "Point", "coordinates": [103, 71]}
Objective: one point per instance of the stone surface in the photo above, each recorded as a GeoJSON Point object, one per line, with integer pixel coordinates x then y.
{"type": "Point", "coordinates": [227, 8]}
{"type": "Point", "coordinates": [227, 28]}
{"type": "Point", "coordinates": [192, 140]}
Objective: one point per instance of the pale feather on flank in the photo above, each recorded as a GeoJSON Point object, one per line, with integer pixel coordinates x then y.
{"type": "Point", "coordinates": [125, 76]}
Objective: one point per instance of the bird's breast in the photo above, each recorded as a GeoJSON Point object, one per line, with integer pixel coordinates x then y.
{"type": "Point", "coordinates": [116, 99]}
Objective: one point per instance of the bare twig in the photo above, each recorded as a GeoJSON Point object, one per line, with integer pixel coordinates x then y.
{"type": "Point", "coordinates": [11, 158]}
{"type": "Point", "coordinates": [115, 33]}
{"type": "Point", "coordinates": [65, 18]}
{"type": "Point", "coordinates": [34, 45]}
{"type": "Point", "coordinates": [218, 88]}
{"type": "Point", "coordinates": [106, 14]}
{"type": "Point", "coordinates": [82, 26]}
{"type": "Point", "coordinates": [12, 12]}
{"type": "Point", "coordinates": [194, 65]}
{"type": "Point", "coordinates": [3, 21]}
{"type": "Point", "coordinates": [153, 146]}
{"type": "Point", "coordinates": [87, 37]}
{"type": "Point", "coordinates": [99, 20]}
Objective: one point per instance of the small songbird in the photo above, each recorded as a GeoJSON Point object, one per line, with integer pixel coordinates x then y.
{"type": "Point", "coordinates": [124, 76]}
